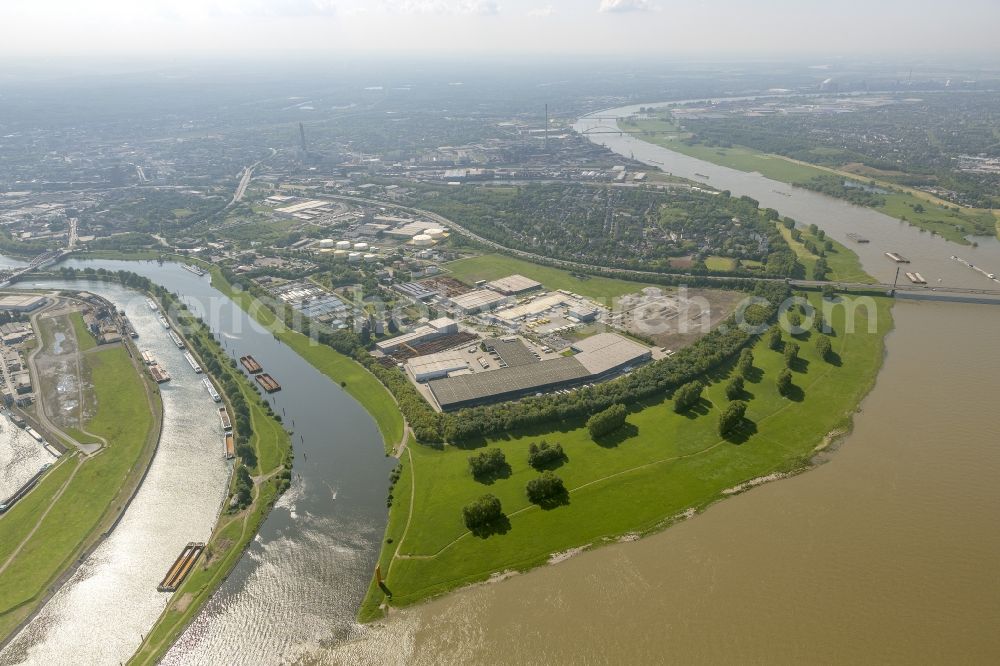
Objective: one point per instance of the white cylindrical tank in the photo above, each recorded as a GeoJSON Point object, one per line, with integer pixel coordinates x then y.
{"type": "Point", "coordinates": [343, 245]}
{"type": "Point", "coordinates": [326, 242]}
{"type": "Point", "coordinates": [340, 254]}
{"type": "Point", "coordinates": [354, 256]}
{"type": "Point", "coordinates": [435, 233]}
{"type": "Point", "coordinates": [361, 247]}
{"type": "Point", "coordinates": [370, 257]}
{"type": "Point", "coordinates": [422, 240]}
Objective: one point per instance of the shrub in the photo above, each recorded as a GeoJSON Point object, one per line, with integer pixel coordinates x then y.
{"type": "Point", "coordinates": [784, 381]}
{"type": "Point", "coordinates": [734, 389]}
{"type": "Point", "coordinates": [540, 455]}
{"type": "Point", "coordinates": [687, 396]}
{"type": "Point", "coordinates": [791, 353]}
{"type": "Point", "coordinates": [482, 511]}
{"type": "Point", "coordinates": [490, 462]}
{"type": "Point", "coordinates": [731, 417]}
{"type": "Point", "coordinates": [545, 488]}
{"type": "Point", "coordinates": [607, 421]}
{"type": "Point", "coordinates": [745, 364]}
{"type": "Point", "coordinates": [824, 347]}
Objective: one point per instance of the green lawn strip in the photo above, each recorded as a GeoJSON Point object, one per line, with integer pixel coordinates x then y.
{"type": "Point", "coordinates": [82, 437]}
{"type": "Point", "coordinates": [359, 383]}
{"type": "Point", "coordinates": [84, 339]}
{"type": "Point", "coordinates": [124, 419]}
{"type": "Point", "coordinates": [805, 257]}
{"type": "Point", "coordinates": [394, 530]}
{"type": "Point", "coordinates": [720, 264]}
{"type": "Point", "coordinates": [843, 262]}
{"type": "Point", "coordinates": [16, 523]}
{"type": "Point", "coordinates": [669, 464]}
{"type": "Point", "coordinates": [493, 266]}
{"type": "Point", "coordinates": [899, 203]}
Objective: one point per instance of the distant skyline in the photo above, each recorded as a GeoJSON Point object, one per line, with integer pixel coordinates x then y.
{"type": "Point", "coordinates": [143, 28]}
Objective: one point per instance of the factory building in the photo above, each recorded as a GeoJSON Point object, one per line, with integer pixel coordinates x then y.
{"type": "Point", "coordinates": [477, 300]}
{"type": "Point", "coordinates": [433, 329]}
{"type": "Point", "coordinates": [19, 303]}
{"type": "Point", "coordinates": [514, 285]}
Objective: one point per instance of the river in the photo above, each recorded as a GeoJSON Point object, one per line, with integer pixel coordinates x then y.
{"type": "Point", "coordinates": [300, 582]}
{"type": "Point", "coordinates": [886, 553]}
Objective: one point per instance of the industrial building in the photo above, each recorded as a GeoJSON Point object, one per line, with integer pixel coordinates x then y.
{"type": "Point", "coordinates": [433, 329]}
{"type": "Point", "coordinates": [520, 373]}
{"type": "Point", "coordinates": [513, 285]}
{"type": "Point", "coordinates": [478, 300]}
{"type": "Point", "coordinates": [19, 303]}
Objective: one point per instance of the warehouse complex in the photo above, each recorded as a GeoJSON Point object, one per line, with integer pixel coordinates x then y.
{"type": "Point", "coordinates": [509, 370]}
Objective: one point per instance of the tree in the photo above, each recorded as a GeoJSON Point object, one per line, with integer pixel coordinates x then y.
{"type": "Point", "coordinates": [829, 292]}
{"type": "Point", "coordinates": [791, 353]}
{"type": "Point", "coordinates": [687, 396]}
{"type": "Point", "coordinates": [784, 381]}
{"type": "Point", "coordinates": [734, 389]}
{"type": "Point", "coordinates": [482, 511]}
{"type": "Point", "coordinates": [540, 455]}
{"type": "Point", "coordinates": [820, 323]}
{"type": "Point", "coordinates": [732, 417]}
{"type": "Point", "coordinates": [488, 463]}
{"type": "Point", "coordinates": [545, 488]}
{"type": "Point", "coordinates": [820, 269]}
{"type": "Point", "coordinates": [773, 338]}
{"type": "Point", "coordinates": [607, 421]}
{"type": "Point", "coordinates": [745, 364]}
{"type": "Point", "coordinates": [823, 347]}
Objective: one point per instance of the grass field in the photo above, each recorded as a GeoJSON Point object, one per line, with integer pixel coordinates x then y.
{"type": "Point", "coordinates": [659, 466]}
{"type": "Point", "coordinates": [84, 340]}
{"type": "Point", "coordinates": [938, 216]}
{"type": "Point", "coordinates": [360, 383]}
{"type": "Point", "coordinates": [493, 266]}
{"type": "Point", "coordinates": [720, 263]}
{"type": "Point", "coordinates": [123, 418]}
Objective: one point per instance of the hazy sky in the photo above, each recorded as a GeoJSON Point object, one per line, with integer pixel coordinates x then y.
{"type": "Point", "coordinates": [151, 27]}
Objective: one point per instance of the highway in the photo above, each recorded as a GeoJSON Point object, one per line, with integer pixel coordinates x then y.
{"type": "Point", "coordinates": [641, 275]}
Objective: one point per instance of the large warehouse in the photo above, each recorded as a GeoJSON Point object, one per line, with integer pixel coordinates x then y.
{"type": "Point", "coordinates": [22, 303]}
{"type": "Point", "coordinates": [520, 373]}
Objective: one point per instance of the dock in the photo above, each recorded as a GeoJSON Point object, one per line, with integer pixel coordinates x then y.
{"type": "Point", "coordinates": [916, 278]}
{"type": "Point", "coordinates": [192, 362]}
{"type": "Point", "coordinates": [160, 375]}
{"type": "Point", "coordinates": [227, 424]}
{"type": "Point", "coordinates": [211, 389]}
{"type": "Point", "coordinates": [181, 568]}
{"type": "Point", "coordinates": [268, 383]}
{"type": "Point", "coordinates": [857, 238]}
{"type": "Point", "coordinates": [898, 258]}
{"type": "Point", "coordinates": [176, 339]}
{"type": "Point", "coordinates": [148, 358]}
{"type": "Point", "coordinates": [230, 446]}
{"type": "Point", "coordinates": [251, 364]}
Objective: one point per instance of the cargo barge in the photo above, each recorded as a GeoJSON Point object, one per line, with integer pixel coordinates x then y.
{"type": "Point", "coordinates": [857, 238]}
{"type": "Point", "coordinates": [163, 322]}
{"type": "Point", "coordinates": [211, 389]}
{"type": "Point", "coordinates": [152, 304]}
{"type": "Point", "coordinates": [916, 278]}
{"type": "Point", "coordinates": [251, 364]}
{"type": "Point", "coordinates": [177, 339]}
{"type": "Point", "coordinates": [227, 424]}
{"type": "Point", "coordinates": [898, 258]}
{"type": "Point", "coordinates": [148, 358]}
{"type": "Point", "coordinates": [192, 362]}
{"type": "Point", "coordinates": [181, 568]}
{"type": "Point", "coordinates": [194, 269]}
{"type": "Point", "coordinates": [160, 375]}
{"type": "Point", "coordinates": [230, 446]}
{"type": "Point", "coordinates": [268, 383]}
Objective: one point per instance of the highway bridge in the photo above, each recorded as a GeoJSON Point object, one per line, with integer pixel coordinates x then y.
{"type": "Point", "coordinates": [41, 261]}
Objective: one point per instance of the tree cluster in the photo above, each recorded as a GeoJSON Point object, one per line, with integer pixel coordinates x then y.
{"type": "Point", "coordinates": [545, 488]}
{"type": "Point", "coordinates": [482, 511]}
{"type": "Point", "coordinates": [543, 453]}
{"type": "Point", "coordinates": [607, 421]}
{"type": "Point", "coordinates": [687, 396]}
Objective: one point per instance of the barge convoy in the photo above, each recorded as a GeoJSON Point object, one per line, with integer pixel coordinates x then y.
{"type": "Point", "coordinates": [230, 448]}
{"type": "Point", "coordinates": [211, 389]}
{"type": "Point", "coordinates": [268, 383]}
{"type": "Point", "coordinates": [181, 568]}
{"type": "Point", "coordinates": [192, 362]}
{"type": "Point", "coordinates": [251, 364]}
{"type": "Point", "coordinates": [898, 258]}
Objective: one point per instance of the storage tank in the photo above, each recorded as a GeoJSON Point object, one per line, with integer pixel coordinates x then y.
{"type": "Point", "coordinates": [340, 254]}
{"type": "Point", "coordinates": [361, 247]}
{"type": "Point", "coordinates": [435, 233]}
{"type": "Point", "coordinates": [370, 257]}
{"type": "Point", "coordinates": [354, 256]}
{"type": "Point", "coordinates": [326, 242]}
{"type": "Point", "coordinates": [422, 240]}
{"type": "Point", "coordinates": [343, 245]}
